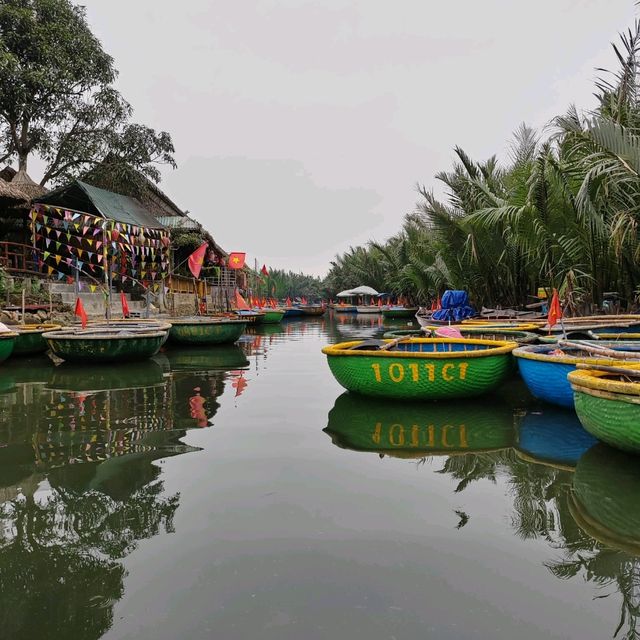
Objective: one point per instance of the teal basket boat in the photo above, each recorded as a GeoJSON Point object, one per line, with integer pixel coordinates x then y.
{"type": "Point", "coordinates": [272, 316]}
{"type": "Point", "coordinates": [421, 368]}
{"type": "Point", "coordinates": [30, 341]}
{"type": "Point", "coordinates": [391, 313]}
{"type": "Point", "coordinates": [205, 330]}
{"type": "Point", "coordinates": [412, 430]}
{"type": "Point", "coordinates": [104, 344]}
{"type": "Point", "coordinates": [7, 342]}
{"type": "Point", "coordinates": [608, 407]}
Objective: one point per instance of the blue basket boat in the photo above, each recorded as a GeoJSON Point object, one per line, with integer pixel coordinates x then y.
{"type": "Point", "coordinates": [553, 437]}
{"type": "Point", "coordinates": [545, 372]}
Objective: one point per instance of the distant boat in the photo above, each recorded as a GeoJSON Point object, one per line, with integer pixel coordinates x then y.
{"type": "Point", "coordinates": [312, 310]}
{"type": "Point", "coordinates": [203, 330]}
{"type": "Point", "coordinates": [368, 308]}
{"type": "Point", "coordinates": [399, 311]}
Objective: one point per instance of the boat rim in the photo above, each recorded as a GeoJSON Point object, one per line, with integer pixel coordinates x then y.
{"type": "Point", "coordinates": [496, 347]}
{"type": "Point", "coordinates": [200, 321]}
{"type": "Point", "coordinates": [121, 335]}
{"type": "Point", "coordinates": [526, 352]}
{"type": "Point", "coordinates": [5, 335]}
{"type": "Point", "coordinates": [594, 383]}
{"type": "Point", "coordinates": [36, 328]}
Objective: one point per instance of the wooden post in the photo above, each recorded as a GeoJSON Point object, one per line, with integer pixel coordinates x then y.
{"type": "Point", "coordinates": [23, 304]}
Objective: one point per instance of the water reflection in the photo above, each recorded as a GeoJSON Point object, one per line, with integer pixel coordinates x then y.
{"type": "Point", "coordinates": [410, 430]}
{"type": "Point", "coordinates": [79, 486]}
{"type": "Point", "coordinates": [582, 499]}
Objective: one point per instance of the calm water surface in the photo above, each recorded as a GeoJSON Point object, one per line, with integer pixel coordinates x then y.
{"type": "Point", "coordinates": [237, 492]}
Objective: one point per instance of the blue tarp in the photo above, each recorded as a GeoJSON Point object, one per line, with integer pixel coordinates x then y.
{"type": "Point", "coordinates": [455, 307]}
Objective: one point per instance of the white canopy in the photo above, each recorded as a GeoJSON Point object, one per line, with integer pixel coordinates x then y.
{"type": "Point", "coordinates": [358, 291]}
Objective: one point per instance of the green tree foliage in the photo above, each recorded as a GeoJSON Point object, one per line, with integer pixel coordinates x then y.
{"type": "Point", "coordinates": [562, 212]}
{"type": "Point", "coordinates": [57, 98]}
{"type": "Point", "coordinates": [281, 284]}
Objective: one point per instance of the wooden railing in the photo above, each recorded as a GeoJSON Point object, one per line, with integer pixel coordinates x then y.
{"type": "Point", "coordinates": [17, 258]}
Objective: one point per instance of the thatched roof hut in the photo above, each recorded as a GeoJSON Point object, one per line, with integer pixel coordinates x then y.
{"type": "Point", "coordinates": [23, 181]}
{"type": "Point", "coordinates": [10, 194]}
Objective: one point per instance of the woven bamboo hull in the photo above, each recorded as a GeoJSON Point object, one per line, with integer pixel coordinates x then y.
{"type": "Point", "coordinates": [206, 332]}
{"type": "Point", "coordinates": [368, 309]}
{"type": "Point", "coordinates": [115, 348]}
{"type": "Point", "coordinates": [546, 375]}
{"type": "Point", "coordinates": [554, 438]}
{"type": "Point", "coordinates": [7, 342]}
{"type": "Point", "coordinates": [606, 491]}
{"type": "Point", "coordinates": [410, 430]}
{"type": "Point", "coordinates": [408, 312]}
{"type": "Point", "coordinates": [453, 372]}
{"type": "Point", "coordinates": [613, 419]}
{"type": "Point", "coordinates": [30, 341]}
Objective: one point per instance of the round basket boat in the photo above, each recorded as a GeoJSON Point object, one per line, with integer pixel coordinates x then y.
{"type": "Point", "coordinates": [7, 342]}
{"type": "Point", "coordinates": [412, 430]}
{"type": "Point", "coordinates": [605, 500]}
{"type": "Point", "coordinates": [390, 313]}
{"type": "Point", "coordinates": [608, 407]}
{"type": "Point", "coordinates": [553, 438]}
{"type": "Point", "coordinates": [204, 330]}
{"type": "Point", "coordinates": [545, 374]}
{"type": "Point", "coordinates": [272, 316]}
{"type": "Point", "coordinates": [421, 368]}
{"type": "Point", "coordinates": [488, 324]}
{"type": "Point", "coordinates": [30, 340]}
{"type": "Point", "coordinates": [104, 344]}
{"type": "Point", "coordinates": [483, 333]}
{"type": "Point", "coordinates": [313, 310]}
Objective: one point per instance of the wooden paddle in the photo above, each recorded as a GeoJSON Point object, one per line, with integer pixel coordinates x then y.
{"type": "Point", "coordinates": [623, 371]}
{"type": "Point", "coordinates": [394, 343]}
{"type": "Point", "coordinates": [604, 351]}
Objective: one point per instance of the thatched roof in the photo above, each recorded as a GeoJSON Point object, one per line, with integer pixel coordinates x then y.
{"type": "Point", "coordinates": [11, 192]}
{"type": "Point", "coordinates": [23, 182]}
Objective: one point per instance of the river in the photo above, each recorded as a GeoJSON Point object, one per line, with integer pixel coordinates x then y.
{"type": "Point", "coordinates": [238, 493]}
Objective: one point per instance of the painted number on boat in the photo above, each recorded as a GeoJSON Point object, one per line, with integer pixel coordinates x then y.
{"type": "Point", "coordinates": [414, 372]}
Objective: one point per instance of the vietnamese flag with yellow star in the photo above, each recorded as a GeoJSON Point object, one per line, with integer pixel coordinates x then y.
{"type": "Point", "coordinates": [236, 260]}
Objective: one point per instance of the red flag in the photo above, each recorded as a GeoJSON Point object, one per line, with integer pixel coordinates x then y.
{"type": "Point", "coordinates": [555, 310]}
{"type": "Point", "coordinates": [264, 271]}
{"type": "Point", "coordinates": [379, 302]}
{"type": "Point", "coordinates": [80, 312]}
{"type": "Point", "coordinates": [196, 260]}
{"type": "Point", "coordinates": [241, 303]}
{"type": "Point", "coordinates": [125, 305]}
{"type": "Point", "coordinates": [288, 301]}
{"type": "Point", "coordinates": [239, 384]}
{"type": "Point", "coordinates": [236, 260]}
{"type": "Point", "coordinates": [439, 303]}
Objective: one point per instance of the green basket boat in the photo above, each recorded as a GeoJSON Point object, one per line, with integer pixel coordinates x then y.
{"type": "Point", "coordinates": [606, 498]}
{"type": "Point", "coordinates": [421, 368]}
{"type": "Point", "coordinates": [206, 330]}
{"type": "Point", "coordinates": [30, 341]}
{"type": "Point", "coordinates": [608, 407]}
{"type": "Point", "coordinates": [104, 344]}
{"type": "Point", "coordinates": [411, 430]}
{"type": "Point", "coordinates": [7, 342]}
{"type": "Point", "coordinates": [390, 313]}
{"type": "Point", "coordinates": [272, 316]}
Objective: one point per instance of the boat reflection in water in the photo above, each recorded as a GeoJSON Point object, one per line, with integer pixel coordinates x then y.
{"type": "Point", "coordinates": [79, 483]}
{"type": "Point", "coordinates": [413, 430]}
{"type": "Point", "coordinates": [552, 436]}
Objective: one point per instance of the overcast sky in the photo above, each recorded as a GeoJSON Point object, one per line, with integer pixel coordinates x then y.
{"type": "Point", "coordinates": [302, 126]}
